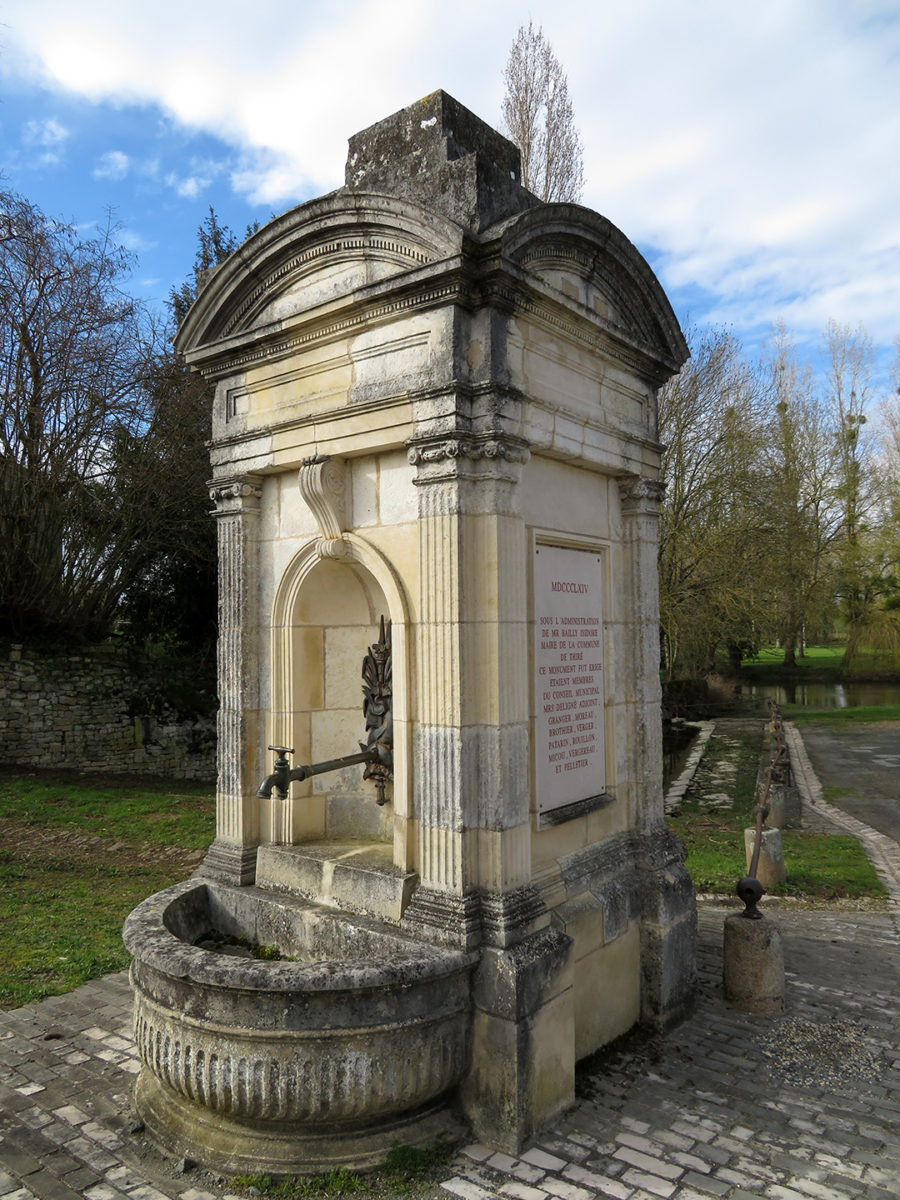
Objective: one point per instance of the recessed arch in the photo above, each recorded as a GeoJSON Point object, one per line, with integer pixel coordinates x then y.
{"type": "Point", "coordinates": [325, 614]}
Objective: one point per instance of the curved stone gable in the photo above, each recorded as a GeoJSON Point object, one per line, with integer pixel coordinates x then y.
{"type": "Point", "coordinates": [309, 259]}
{"type": "Point", "coordinates": [590, 261]}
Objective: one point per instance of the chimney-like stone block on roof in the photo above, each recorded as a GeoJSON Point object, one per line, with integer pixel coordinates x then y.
{"type": "Point", "coordinates": [438, 153]}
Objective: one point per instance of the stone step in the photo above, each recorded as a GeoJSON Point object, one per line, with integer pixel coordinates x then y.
{"type": "Point", "coordinates": [358, 877]}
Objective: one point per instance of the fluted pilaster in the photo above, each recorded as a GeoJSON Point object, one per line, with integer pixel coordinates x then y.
{"type": "Point", "coordinates": [471, 750]}
{"type": "Point", "coordinates": [639, 499]}
{"type": "Point", "coordinates": [239, 726]}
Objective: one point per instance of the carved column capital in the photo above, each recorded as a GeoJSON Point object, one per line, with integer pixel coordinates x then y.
{"type": "Point", "coordinates": [444, 448]}
{"type": "Point", "coordinates": [239, 494]}
{"type": "Point", "coordinates": [457, 455]}
{"type": "Point", "coordinates": [639, 494]}
{"type": "Point", "coordinates": [321, 481]}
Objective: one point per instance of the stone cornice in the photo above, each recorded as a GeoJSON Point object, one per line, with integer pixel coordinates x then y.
{"type": "Point", "coordinates": [442, 284]}
{"type": "Point", "coordinates": [466, 281]}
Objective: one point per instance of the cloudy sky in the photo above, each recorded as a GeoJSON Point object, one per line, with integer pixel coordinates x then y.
{"type": "Point", "coordinates": [750, 150]}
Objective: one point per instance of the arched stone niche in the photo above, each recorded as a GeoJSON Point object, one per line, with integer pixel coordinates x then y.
{"type": "Point", "coordinates": [326, 613]}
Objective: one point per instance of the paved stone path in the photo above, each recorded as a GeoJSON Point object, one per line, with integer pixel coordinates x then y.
{"type": "Point", "coordinates": [802, 1106]}
{"type": "Point", "coordinates": [861, 763]}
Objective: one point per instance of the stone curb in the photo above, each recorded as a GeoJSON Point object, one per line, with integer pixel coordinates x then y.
{"type": "Point", "coordinates": [883, 851]}
{"type": "Point", "coordinates": [676, 790]}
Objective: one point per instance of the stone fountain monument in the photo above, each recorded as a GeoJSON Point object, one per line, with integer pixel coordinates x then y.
{"type": "Point", "coordinates": [434, 454]}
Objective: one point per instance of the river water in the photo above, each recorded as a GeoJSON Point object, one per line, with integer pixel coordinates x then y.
{"type": "Point", "coordinates": [823, 695]}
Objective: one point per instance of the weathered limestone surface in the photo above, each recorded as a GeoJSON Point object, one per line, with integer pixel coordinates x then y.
{"type": "Point", "coordinates": [277, 1062]}
{"type": "Point", "coordinates": [770, 869]}
{"type": "Point", "coordinates": [424, 381]}
{"type": "Point", "coordinates": [753, 973]}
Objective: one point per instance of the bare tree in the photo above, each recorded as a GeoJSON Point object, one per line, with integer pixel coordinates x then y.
{"type": "Point", "coordinates": [849, 387]}
{"type": "Point", "coordinates": [711, 551]}
{"type": "Point", "coordinates": [803, 524]}
{"type": "Point", "coordinates": [538, 116]}
{"type": "Point", "coordinates": [73, 353]}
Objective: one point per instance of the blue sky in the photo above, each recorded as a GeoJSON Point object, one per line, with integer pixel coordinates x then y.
{"type": "Point", "coordinates": [751, 151]}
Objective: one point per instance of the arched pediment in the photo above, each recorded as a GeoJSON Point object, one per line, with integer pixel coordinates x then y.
{"type": "Point", "coordinates": [311, 255]}
{"type": "Point", "coordinates": [583, 256]}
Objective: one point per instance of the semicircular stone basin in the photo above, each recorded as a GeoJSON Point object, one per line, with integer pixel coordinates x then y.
{"type": "Point", "coordinates": [346, 1044]}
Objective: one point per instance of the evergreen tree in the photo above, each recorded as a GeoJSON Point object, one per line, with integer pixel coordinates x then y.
{"type": "Point", "coordinates": [175, 597]}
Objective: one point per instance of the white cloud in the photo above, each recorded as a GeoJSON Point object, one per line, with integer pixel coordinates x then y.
{"type": "Point", "coordinates": [47, 133]}
{"type": "Point", "coordinates": [753, 146]}
{"type": "Point", "coordinates": [48, 137]}
{"type": "Point", "coordinates": [133, 241]}
{"type": "Point", "coordinates": [114, 164]}
{"type": "Point", "coordinates": [201, 175]}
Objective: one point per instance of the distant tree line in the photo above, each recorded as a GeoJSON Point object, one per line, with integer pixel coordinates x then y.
{"type": "Point", "coordinates": [781, 517]}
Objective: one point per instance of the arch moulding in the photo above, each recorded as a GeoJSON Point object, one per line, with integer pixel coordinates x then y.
{"type": "Point", "coordinates": [369, 564]}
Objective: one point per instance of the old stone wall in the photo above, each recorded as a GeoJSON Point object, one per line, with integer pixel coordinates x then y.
{"type": "Point", "coordinates": [78, 710]}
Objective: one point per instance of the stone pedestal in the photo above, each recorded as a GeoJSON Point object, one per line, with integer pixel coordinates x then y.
{"type": "Point", "coordinates": [753, 974]}
{"type": "Point", "coordinates": [523, 1068]}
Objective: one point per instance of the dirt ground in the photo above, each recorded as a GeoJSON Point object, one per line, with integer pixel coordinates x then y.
{"type": "Point", "coordinates": [31, 842]}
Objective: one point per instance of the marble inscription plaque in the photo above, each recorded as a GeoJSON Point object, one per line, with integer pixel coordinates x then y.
{"type": "Point", "coordinates": [569, 684]}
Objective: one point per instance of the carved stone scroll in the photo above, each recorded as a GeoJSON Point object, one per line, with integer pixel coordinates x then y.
{"type": "Point", "coordinates": [322, 487]}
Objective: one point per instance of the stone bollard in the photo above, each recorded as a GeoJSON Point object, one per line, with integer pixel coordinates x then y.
{"type": "Point", "coordinates": [777, 802]}
{"type": "Point", "coordinates": [770, 870]}
{"type": "Point", "coordinates": [784, 806]}
{"type": "Point", "coordinates": [753, 974]}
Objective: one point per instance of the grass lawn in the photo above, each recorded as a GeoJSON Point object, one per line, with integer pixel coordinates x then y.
{"type": "Point", "coordinates": [164, 812]}
{"type": "Point", "coordinates": [75, 857]}
{"type": "Point", "coordinates": [823, 661]}
{"type": "Point", "coordinates": [820, 867]}
{"type": "Point", "coordinates": [406, 1169]}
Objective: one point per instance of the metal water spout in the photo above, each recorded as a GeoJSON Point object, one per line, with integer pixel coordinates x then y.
{"type": "Point", "coordinates": [284, 774]}
{"type": "Point", "coordinates": [377, 752]}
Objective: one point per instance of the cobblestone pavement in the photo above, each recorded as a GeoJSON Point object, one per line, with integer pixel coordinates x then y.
{"type": "Point", "coordinates": [801, 1106]}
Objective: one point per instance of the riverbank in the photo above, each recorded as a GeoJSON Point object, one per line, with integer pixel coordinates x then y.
{"type": "Point", "coordinates": [711, 810]}
{"type": "Point", "coordinates": [816, 681]}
